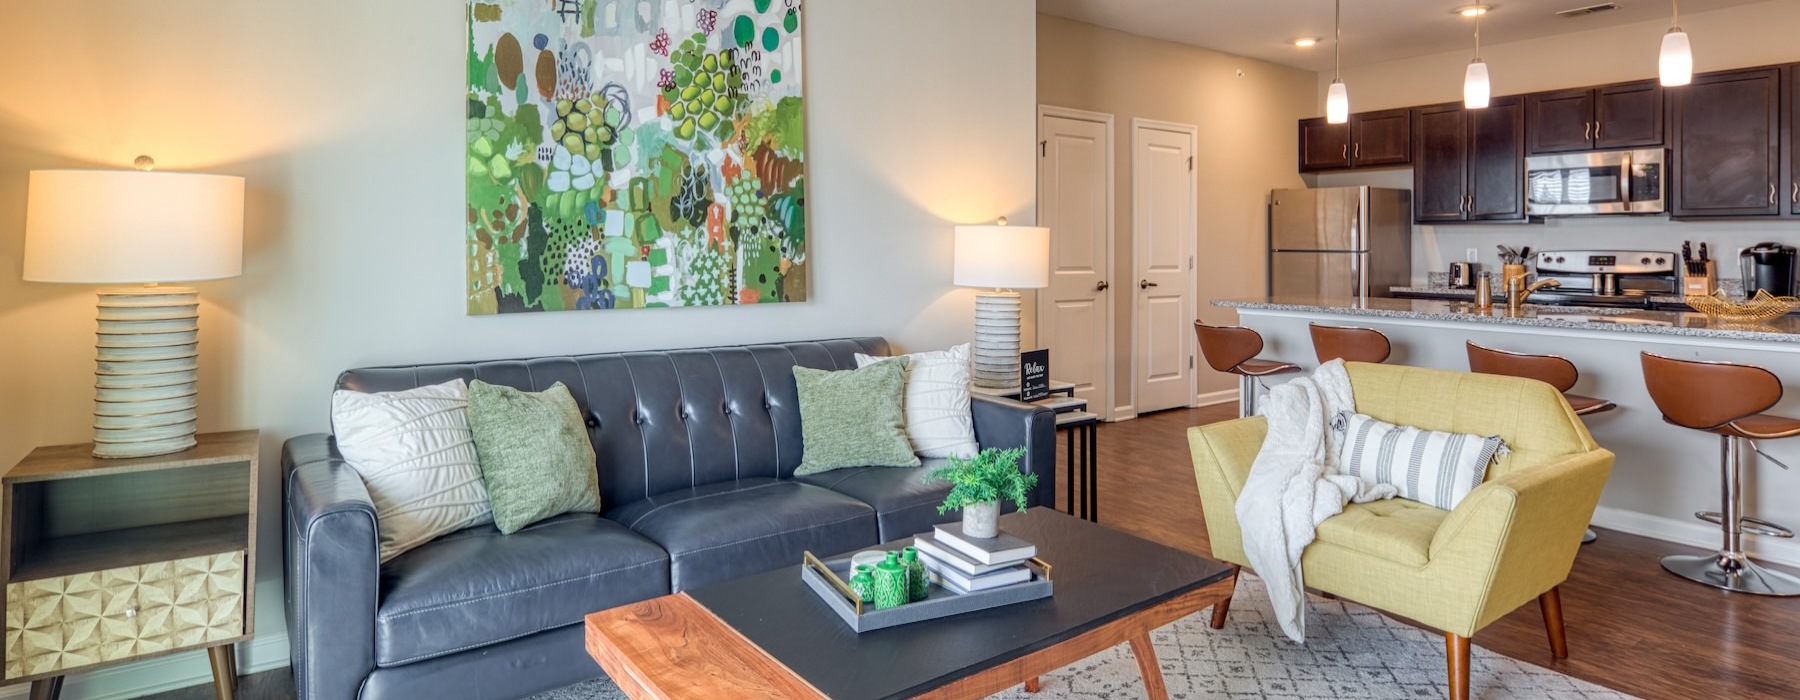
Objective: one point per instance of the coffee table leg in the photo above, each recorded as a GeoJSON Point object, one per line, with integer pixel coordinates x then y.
{"type": "Point", "coordinates": [1032, 685]}
{"type": "Point", "coordinates": [1148, 668]}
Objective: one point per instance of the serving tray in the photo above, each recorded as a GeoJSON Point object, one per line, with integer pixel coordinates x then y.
{"type": "Point", "coordinates": [826, 578]}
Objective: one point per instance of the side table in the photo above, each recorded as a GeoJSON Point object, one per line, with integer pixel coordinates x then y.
{"type": "Point", "coordinates": [106, 561]}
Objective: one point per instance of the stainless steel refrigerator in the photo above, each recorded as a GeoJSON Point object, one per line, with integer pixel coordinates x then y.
{"type": "Point", "coordinates": [1339, 242]}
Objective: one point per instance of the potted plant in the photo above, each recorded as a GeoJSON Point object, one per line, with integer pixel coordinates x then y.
{"type": "Point", "coordinates": [978, 485]}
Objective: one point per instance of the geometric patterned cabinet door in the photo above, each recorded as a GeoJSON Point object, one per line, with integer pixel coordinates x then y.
{"type": "Point", "coordinates": [66, 622]}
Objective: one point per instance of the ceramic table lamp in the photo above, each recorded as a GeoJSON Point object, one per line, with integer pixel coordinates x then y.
{"type": "Point", "coordinates": [1001, 258]}
{"type": "Point", "coordinates": [146, 228]}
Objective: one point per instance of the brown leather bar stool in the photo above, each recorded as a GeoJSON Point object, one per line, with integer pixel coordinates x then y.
{"type": "Point", "coordinates": [1233, 349]}
{"type": "Point", "coordinates": [1351, 344]}
{"type": "Point", "coordinates": [1556, 371]}
{"type": "Point", "coordinates": [1727, 400]}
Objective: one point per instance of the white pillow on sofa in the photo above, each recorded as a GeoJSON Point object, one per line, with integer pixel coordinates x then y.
{"type": "Point", "coordinates": [1429, 466]}
{"type": "Point", "coordinates": [938, 422]}
{"type": "Point", "coordinates": [416, 454]}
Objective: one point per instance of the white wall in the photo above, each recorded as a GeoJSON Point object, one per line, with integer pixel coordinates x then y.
{"type": "Point", "coordinates": [1743, 36]}
{"type": "Point", "coordinates": [345, 118]}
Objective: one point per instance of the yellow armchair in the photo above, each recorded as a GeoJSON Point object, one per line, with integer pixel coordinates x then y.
{"type": "Point", "coordinates": [1512, 539]}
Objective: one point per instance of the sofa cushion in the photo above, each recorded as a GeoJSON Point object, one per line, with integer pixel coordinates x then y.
{"type": "Point", "coordinates": [476, 587]}
{"type": "Point", "coordinates": [1395, 529]}
{"type": "Point", "coordinates": [732, 529]}
{"type": "Point", "coordinates": [905, 501]}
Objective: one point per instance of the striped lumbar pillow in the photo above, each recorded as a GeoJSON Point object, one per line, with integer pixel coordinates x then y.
{"type": "Point", "coordinates": [1428, 466]}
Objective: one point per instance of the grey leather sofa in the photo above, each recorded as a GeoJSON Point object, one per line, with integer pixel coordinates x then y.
{"type": "Point", "coordinates": [696, 451]}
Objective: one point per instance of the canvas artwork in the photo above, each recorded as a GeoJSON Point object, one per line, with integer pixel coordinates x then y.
{"type": "Point", "coordinates": [635, 154]}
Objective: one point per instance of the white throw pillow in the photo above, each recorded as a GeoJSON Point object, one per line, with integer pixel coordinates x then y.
{"type": "Point", "coordinates": [1431, 467]}
{"type": "Point", "coordinates": [938, 422]}
{"type": "Point", "coordinates": [415, 452]}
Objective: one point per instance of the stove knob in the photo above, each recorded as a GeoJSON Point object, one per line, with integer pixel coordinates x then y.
{"type": "Point", "coordinates": [1645, 261]}
{"type": "Point", "coordinates": [1559, 258]}
{"type": "Point", "coordinates": [1662, 261]}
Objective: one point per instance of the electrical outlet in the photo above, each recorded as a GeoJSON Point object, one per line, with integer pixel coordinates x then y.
{"type": "Point", "coordinates": [1471, 255]}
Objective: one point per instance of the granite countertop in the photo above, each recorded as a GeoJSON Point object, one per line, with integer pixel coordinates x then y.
{"type": "Point", "coordinates": [1679, 323]}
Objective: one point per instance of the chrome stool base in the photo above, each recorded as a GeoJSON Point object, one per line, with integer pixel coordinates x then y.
{"type": "Point", "coordinates": [1732, 573]}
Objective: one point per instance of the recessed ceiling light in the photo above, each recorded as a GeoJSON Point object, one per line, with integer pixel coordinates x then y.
{"type": "Point", "coordinates": [1306, 41]}
{"type": "Point", "coordinates": [1474, 10]}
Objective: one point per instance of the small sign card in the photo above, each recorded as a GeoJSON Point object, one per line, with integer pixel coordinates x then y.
{"type": "Point", "coordinates": [1034, 375]}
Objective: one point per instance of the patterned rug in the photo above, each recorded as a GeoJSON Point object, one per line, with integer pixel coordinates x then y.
{"type": "Point", "coordinates": [1350, 652]}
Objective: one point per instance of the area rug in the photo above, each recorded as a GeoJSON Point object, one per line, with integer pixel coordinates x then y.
{"type": "Point", "coordinates": [1351, 652]}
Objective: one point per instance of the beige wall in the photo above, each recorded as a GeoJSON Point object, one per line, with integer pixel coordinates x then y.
{"type": "Point", "coordinates": [346, 119]}
{"type": "Point", "coordinates": [1748, 35]}
{"type": "Point", "coordinates": [1245, 110]}
{"type": "Point", "coordinates": [1736, 37]}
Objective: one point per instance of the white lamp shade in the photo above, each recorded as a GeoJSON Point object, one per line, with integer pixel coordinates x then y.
{"type": "Point", "coordinates": [1337, 103]}
{"type": "Point", "coordinates": [1676, 64]}
{"type": "Point", "coordinates": [1003, 257]}
{"type": "Point", "coordinates": [1475, 85]}
{"type": "Point", "coordinates": [133, 227]}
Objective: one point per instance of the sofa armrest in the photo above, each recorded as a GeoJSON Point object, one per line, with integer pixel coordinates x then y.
{"type": "Point", "coordinates": [1518, 533]}
{"type": "Point", "coordinates": [1002, 423]}
{"type": "Point", "coordinates": [1222, 455]}
{"type": "Point", "coordinates": [333, 569]}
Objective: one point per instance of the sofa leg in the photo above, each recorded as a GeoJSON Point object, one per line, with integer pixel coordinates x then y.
{"type": "Point", "coordinates": [1551, 603]}
{"type": "Point", "coordinates": [1456, 647]}
{"type": "Point", "coordinates": [1223, 607]}
{"type": "Point", "coordinates": [1032, 685]}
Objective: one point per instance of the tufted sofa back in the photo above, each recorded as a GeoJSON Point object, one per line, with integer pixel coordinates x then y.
{"type": "Point", "coordinates": [666, 420]}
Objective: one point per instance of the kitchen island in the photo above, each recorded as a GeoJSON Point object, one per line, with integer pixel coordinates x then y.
{"type": "Point", "coordinates": [1664, 473]}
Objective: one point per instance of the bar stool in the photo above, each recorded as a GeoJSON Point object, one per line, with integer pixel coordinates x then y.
{"type": "Point", "coordinates": [1556, 371]}
{"type": "Point", "coordinates": [1233, 349]}
{"type": "Point", "coordinates": [1727, 400]}
{"type": "Point", "coordinates": [1351, 344]}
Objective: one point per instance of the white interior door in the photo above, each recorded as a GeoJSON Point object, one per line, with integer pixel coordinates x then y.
{"type": "Point", "coordinates": [1075, 174]}
{"type": "Point", "coordinates": [1163, 239]}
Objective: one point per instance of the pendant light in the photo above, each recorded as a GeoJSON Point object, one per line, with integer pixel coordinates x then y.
{"type": "Point", "coordinates": [1676, 65]}
{"type": "Point", "coordinates": [1476, 87]}
{"type": "Point", "coordinates": [1337, 97]}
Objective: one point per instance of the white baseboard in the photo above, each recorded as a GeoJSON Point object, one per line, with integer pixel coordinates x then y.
{"type": "Point", "coordinates": [261, 653]}
{"type": "Point", "coordinates": [1125, 412]}
{"type": "Point", "coordinates": [1214, 398]}
{"type": "Point", "coordinates": [1694, 533]}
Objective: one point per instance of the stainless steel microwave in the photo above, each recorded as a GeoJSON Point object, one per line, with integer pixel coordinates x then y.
{"type": "Point", "coordinates": [1605, 182]}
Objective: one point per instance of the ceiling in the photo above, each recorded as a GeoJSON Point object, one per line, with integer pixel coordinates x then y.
{"type": "Point", "coordinates": [1374, 30]}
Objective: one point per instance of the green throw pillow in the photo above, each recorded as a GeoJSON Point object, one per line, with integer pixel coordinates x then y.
{"type": "Point", "coordinates": [535, 457]}
{"type": "Point", "coordinates": [853, 418]}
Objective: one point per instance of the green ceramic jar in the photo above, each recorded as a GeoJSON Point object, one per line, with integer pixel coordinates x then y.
{"type": "Point", "coordinates": [918, 585]}
{"type": "Point", "coordinates": [890, 582]}
{"type": "Point", "coordinates": [862, 583]}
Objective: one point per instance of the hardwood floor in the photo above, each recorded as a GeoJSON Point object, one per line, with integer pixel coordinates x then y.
{"type": "Point", "coordinates": [1630, 625]}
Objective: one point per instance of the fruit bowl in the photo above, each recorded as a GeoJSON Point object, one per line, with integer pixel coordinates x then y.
{"type": "Point", "coordinates": [1762, 307]}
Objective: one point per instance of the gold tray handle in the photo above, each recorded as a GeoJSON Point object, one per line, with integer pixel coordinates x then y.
{"type": "Point", "coordinates": [807, 559]}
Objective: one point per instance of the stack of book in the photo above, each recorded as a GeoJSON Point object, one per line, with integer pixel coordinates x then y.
{"type": "Point", "coordinates": [965, 564]}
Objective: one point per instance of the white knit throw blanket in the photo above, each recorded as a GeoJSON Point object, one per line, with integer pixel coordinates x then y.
{"type": "Point", "coordinates": [1294, 485]}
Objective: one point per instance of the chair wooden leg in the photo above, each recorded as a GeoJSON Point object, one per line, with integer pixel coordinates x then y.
{"type": "Point", "coordinates": [1457, 651]}
{"type": "Point", "coordinates": [1551, 603]}
{"type": "Point", "coordinates": [1032, 685]}
{"type": "Point", "coordinates": [1223, 607]}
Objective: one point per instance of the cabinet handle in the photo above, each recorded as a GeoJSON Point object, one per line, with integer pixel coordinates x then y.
{"type": "Point", "coordinates": [1771, 193]}
{"type": "Point", "coordinates": [1358, 150]}
{"type": "Point", "coordinates": [1597, 127]}
{"type": "Point", "coordinates": [1796, 195]}
{"type": "Point", "coordinates": [1346, 150]}
{"type": "Point", "coordinates": [1587, 130]}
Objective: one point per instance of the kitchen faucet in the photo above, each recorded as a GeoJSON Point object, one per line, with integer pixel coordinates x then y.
{"type": "Point", "coordinates": [1517, 292]}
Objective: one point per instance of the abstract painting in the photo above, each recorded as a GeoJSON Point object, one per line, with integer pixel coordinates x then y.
{"type": "Point", "coordinates": [628, 154]}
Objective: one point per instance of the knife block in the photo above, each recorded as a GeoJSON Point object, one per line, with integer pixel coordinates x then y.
{"type": "Point", "coordinates": [1699, 278]}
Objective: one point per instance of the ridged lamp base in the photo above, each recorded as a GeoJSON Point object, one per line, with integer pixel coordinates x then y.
{"type": "Point", "coordinates": [996, 348]}
{"type": "Point", "coordinates": [146, 371]}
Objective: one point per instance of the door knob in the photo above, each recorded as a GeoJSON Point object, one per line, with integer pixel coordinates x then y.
{"type": "Point", "coordinates": [1146, 284]}
{"type": "Point", "coordinates": [1101, 286]}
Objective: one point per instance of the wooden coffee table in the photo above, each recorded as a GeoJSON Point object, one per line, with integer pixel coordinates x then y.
{"type": "Point", "coordinates": [769, 636]}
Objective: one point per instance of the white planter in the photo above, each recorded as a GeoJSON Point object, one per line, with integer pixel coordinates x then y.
{"type": "Point", "coordinates": [981, 519]}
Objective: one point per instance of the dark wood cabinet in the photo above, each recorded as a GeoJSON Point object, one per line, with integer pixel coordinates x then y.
{"type": "Point", "coordinates": [1725, 134]}
{"type": "Point", "coordinates": [1324, 146]}
{"type": "Point", "coordinates": [1627, 115]}
{"type": "Point", "coordinates": [1370, 139]}
{"type": "Point", "coordinates": [1468, 165]}
{"type": "Point", "coordinates": [1793, 136]}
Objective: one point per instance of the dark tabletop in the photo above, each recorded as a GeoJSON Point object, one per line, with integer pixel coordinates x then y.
{"type": "Point", "coordinates": [1100, 574]}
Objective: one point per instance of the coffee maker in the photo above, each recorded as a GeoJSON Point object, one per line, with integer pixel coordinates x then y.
{"type": "Point", "coordinates": [1769, 266]}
